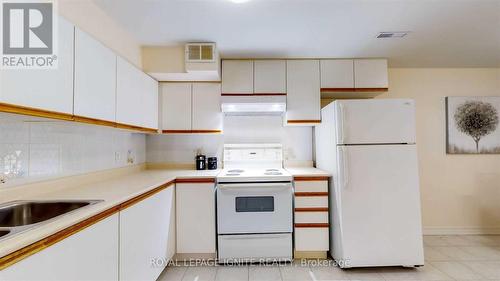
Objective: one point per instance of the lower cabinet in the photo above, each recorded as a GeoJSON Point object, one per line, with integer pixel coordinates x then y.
{"type": "Point", "coordinates": [145, 231]}
{"type": "Point", "coordinates": [195, 204]}
{"type": "Point", "coordinates": [91, 254]}
{"type": "Point", "coordinates": [311, 229]}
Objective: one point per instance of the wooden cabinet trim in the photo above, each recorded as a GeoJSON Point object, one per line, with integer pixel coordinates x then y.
{"type": "Point", "coordinates": [333, 90]}
{"type": "Point", "coordinates": [24, 110]}
{"type": "Point", "coordinates": [46, 242]}
{"type": "Point", "coordinates": [312, 209]}
{"type": "Point", "coordinates": [314, 178]}
{"type": "Point", "coordinates": [196, 180]}
{"type": "Point", "coordinates": [302, 121]}
{"type": "Point", "coordinates": [311, 194]}
{"type": "Point", "coordinates": [30, 111]}
{"type": "Point", "coordinates": [254, 94]}
{"type": "Point", "coordinates": [311, 225]}
{"type": "Point", "coordinates": [191, 131]}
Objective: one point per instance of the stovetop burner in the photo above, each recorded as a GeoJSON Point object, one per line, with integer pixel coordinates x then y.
{"type": "Point", "coordinates": [273, 173]}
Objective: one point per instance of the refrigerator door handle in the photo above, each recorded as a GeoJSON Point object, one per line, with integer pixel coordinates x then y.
{"type": "Point", "coordinates": [341, 111]}
{"type": "Point", "coordinates": [345, 165]}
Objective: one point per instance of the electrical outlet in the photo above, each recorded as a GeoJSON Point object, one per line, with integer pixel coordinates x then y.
{"type": "Point", "coordinates": [3, 179]}
{"type": "Point", "coordinates": [130, 157]}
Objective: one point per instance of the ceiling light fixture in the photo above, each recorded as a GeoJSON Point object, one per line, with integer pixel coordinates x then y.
{"type": "Point", "coordinates": [393, 34]}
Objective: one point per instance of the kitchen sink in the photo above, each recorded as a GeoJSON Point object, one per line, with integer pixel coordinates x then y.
{"type": "Point", "coordinates": [24, 213]}
{"type": "Point", "coordinates": [4, 232]}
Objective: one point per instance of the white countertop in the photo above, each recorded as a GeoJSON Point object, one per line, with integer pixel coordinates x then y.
{"type": "Point", "coordinates": [307, 172]}
{"type": "Point", "coordinates": [113, 191]}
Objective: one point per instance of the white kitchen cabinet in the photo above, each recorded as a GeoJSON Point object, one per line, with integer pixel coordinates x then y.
{"type": "Point", "coordinates": [337, 74]}
{"type": "Point", "coordinates": [303, 91]}
{"type": "Point", "coordinates": [95, 79]}
{"type": "Point", "coordinates": [195, 218]}
{"type": "Point", "coordinates": [136, 96]}
{"type": "Point", "coordinates": [91, 254]}
{"type": "Point", "coordinates": [312, 239]}
{"type": "Point", "coordinates": [206, 110]}
{"type": "Point", "coordinates": [237, 77]}
{"type": "Point", "coordinates": [370, 73]}
{"type": "Point", "coordinates": [270, 77]}
{"type": "Point", "coordinates": [144, 235]}
{"type": "Point", "coordinates": [176, 106]}
{"type": "Point", "coordinates": [44, 89]}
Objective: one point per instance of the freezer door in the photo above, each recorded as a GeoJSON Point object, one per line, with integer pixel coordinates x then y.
{"type": "Point", "coordinates": [375, 121]}
{"type": "Point", "coordinates": [378, 206]}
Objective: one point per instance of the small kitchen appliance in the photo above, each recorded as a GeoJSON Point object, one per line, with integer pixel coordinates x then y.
{"type": "Point", "coordinates": [212, 163]}
{"type": "Point", "coordinates": [201, 162]}
{"type": "Point", "coordinates": [370, 148]}
{"type": "Point", "coordinates": [254, 205]}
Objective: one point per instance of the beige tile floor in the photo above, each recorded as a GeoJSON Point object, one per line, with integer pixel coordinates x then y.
{"type": "Point", "coordinates": [460, 258]}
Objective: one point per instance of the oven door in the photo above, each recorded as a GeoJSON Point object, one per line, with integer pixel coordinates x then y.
{"type": "Point", "coordinates": [254, 208]}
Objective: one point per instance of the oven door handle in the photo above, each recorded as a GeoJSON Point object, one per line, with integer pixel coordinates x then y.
{"type": "Point", "coordinates": [254, 186]}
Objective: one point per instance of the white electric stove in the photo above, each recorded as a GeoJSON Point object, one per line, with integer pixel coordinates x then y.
{"type": "Point", "coordinates": [254, 205]}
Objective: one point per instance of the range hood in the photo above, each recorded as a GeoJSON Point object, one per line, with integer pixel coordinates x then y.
{"type": "Point", "coordinates": [253, 105]}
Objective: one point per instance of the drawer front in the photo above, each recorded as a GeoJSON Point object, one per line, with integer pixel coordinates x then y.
{"type": "Point", "coordinates": [311, 186]}
{"type": "Point", "coordinates": [311, 239]}
{"type": "Point", "coordinates": [311, 202]}
{"type": "Point", "coordinates": [255, 247]}
{"type": "Point", "coordinates": [311, 217]}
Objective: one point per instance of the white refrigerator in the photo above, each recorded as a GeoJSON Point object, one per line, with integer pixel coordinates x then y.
{"type": "Point", "coordinates": [369, 147]}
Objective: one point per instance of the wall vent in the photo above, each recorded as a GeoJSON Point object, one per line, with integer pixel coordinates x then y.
{"type": "Point", "coordinates": [396, 34]}
{"type": "Point", "coordinates": [200, 52]}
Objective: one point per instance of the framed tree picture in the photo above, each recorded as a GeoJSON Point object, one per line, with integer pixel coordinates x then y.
{"type": "Point", "coordinates": [472, 125]}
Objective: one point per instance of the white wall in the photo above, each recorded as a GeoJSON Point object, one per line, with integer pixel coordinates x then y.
{"type": "Point", "coordinates": [460, 193]}
{"type": "Point", "coordinates": [297, 141]}
{"type": "Point", "coordinates": [38, 149]}
{"type": "Point", "coordinates": [87, 16]}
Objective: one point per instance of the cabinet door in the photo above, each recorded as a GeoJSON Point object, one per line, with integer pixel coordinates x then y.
{"type": "Point", "coordinates": [370, 73]}
{"type": "Point", "coordinates": [195, 218]}
{"type": "Point", "coordinates": [270, 77]}
{"type": "Point", "coordinates": [207, 113]}
{"type": "Point", "coordinates": [337, 74]}
{"type": "Point", "coordinates": [176, 106]}
{"type": "Point", "coordinates": [95, 78]}
{"type": "Point", "coordinates": [237, 77]}
{"type": "Point", "coordinates": [303, 91]}
{"type": "Point", "coordinates": [144, 235]}
{"type": "Point", "coordinates": [136, 96]}
{"type": "Point", "coordinates": [149, 112]}
{"type": "Point", "coordinates": [44, 89]}
{"type": "Point", "coordinates": [91, 254]}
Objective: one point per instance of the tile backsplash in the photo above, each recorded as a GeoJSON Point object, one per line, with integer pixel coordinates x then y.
{"type": "Point", "coordinates": [41, 148]}
{"type": "Point", "coordinates": [297, 141]}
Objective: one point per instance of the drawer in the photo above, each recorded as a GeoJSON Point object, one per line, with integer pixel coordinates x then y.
{"type": "Point", "coordinates": [312, 239]}
{"type": "Point", "coordinates": [311, 201]}
{"type": "Point", "coordinates": [311, 217]}
{"type": "Point", "coordinates": [311, 186]}
{"type": "Point", "coordinates": [255, 247]}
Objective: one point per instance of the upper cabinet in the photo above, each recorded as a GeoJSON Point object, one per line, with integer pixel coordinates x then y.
{"type": "Point", "coordinates": [237, 77]}
{"type": "Point", "coordinates": [50, 90]}
{"type": "Point", "coordinates": [206, 109]}
{"type": "Point", "coordinates": [270, 77]}
{"type": "Point", "coordinates": [191, 108]}
{"type": "Point", "coordinates": [136, 96]}
{"type": "Point", "coordinates": [370, 74]}
{"type": "Point", "coordinates": [95, 79]}
{"type": "Point", "coordinates": [337, 74]}
{"type": "Point", "coordinates": [175, 107]}
{"type": "Point", "coordinates": [303, 92]}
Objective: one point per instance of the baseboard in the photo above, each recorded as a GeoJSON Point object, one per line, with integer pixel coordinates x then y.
{"type": "Point", "coordinates": [461, 231]}
{"type": "Point", "coordinates": [310, 255]}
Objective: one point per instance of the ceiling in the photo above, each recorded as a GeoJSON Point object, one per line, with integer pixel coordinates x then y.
{"type": "Point", "coordinates": [444, 33]}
